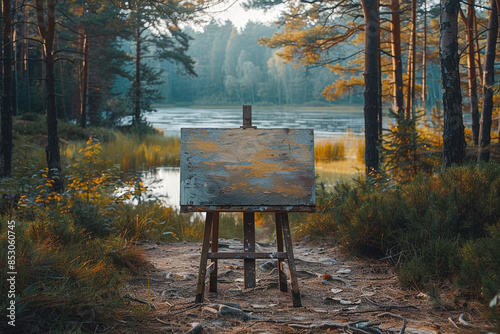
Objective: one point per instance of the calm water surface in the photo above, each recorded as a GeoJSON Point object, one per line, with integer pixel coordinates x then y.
{"type": "Point", "coordinates": [164, 182]}
{"type": "Point", "coordinates": [325, 123]}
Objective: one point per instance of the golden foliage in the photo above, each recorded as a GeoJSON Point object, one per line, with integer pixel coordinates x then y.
{"type": "Point", "coordinates": [342, 87]}
{"type": "Point", "coordinates": [307, 43]}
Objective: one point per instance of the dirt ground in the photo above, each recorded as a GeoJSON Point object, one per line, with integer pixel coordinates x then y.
{"type": "Point", "coordinates": [360, 296]}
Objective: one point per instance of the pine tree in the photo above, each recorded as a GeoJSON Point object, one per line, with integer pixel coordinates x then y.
{"type": "Point", "coordinates": [142, 19]}
{"type": "Point", "coordinates": [405, 151]}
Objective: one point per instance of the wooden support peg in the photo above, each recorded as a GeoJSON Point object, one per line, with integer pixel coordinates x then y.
{"type": "Point", "coordinates": [247, 117]}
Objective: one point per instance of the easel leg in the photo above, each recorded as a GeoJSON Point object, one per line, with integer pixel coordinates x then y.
{"type": "Point", "coordinates": [200, 286]}
{"type": "Point", "coordinates": [279, 246]}
{"type": "Point", "coordinates": [249, 246]}
{"type": "Point", "coordinates": [291, 262]}
{"type": "Point", "coordinates": [215, 249]}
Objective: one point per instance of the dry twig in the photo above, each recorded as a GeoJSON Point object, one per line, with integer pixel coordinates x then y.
{"type": "Point", "coordinates": [396, 316]}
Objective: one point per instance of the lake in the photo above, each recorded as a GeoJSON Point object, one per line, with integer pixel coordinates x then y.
{"type": "Point", "coordinates": [329, 124]}
{"type": "Point", "coordinates": [340, 124]}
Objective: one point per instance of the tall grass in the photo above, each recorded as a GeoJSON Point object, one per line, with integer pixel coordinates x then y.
{"type": "Point", "coordinates": [348, 146]}
{"type": "Point", "coordinates": [66, 281]}
{"type": "Point", "coordinates": [327, 150]}
{"type": "Point", "coordinates": [153, 221]}
{"type": "Point", "coordinates": [135, 152]}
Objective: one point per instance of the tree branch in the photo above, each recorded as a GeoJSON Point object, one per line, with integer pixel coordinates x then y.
{"type": "Point", "coordinates": [478, 6]}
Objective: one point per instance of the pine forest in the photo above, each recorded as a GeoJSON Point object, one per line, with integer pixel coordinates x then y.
{"type": "Point", "coordinates": [402, 231]}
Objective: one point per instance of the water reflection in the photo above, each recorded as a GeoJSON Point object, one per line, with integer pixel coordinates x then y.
{"type": "Point", "coordinates": [163, 183]}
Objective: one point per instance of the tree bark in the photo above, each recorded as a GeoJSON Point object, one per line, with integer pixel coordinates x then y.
{"type": "Point", "coordinates": [409, 71]}
{"type": "Point", "coordinates": [380, 93]}
{"type": "Point", "coordinates": [52, 149]}
{"type": "Point", "coordinates": [61, 79]}
{"type": "Point", "coordinates": [137, 83]}
{"type": "Point", "coordinates": [478, 58]}
{"type": "Point", "coordinates": [6, 145]}
{"type": "Point", "coordinates": [371, 106]}
{"type": "Point", "coordinates": [397, 66]}
{"type": "Point", "coordinates": [471, 65]}
{"type": "Point", "coordinates": [424, 65]}
{"type": "Point", "coordinates": [83, 72]}
{"type": "Point", "coordinates": [26, 57]}
{"type": "Point", "coordinates": [453, 132]}
{"type": "Point", "coordinates": [412, 61]}
{"type": "Point", "coordinates": [14, 63]}
{"type": "Point", "coordinates": [489, 81]}
{"type": "Point", "coordinates": [84, 82]}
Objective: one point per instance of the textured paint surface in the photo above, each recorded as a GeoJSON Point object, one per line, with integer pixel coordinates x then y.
{"type": "Point", "coordinates": [258, 168]}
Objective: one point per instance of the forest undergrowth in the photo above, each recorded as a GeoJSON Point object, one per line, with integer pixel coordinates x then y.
{"type": "Point", "coordinates": [76, 250]}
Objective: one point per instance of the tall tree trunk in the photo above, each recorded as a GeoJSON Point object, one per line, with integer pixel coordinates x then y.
{"type": "Point", "coordinates": [379, 62]}
{"type": "Point", "coordinates": [397, 66]}
{"type": "Point", "coordinates": [424, 65]}
{"type": "Point", "coordinates": [478, 58]}
{"type": "Point", "coordinates": [412, 61]}
{"type": "Point", "coordinates": [61, 78]}
{"type": "Point", "coordinates": [489, 81]}
{"type": "Point", "coordinates": [6, 146]}
{"type": "Point", "coordinates": [83, 72]}
{"type": "Point", "coordinates": [84, 82]}
{"type": "Point", "coordinates": [453, 132]}
{"type": "Point", "coordinates": [469, 22]}
{"type": "Point", "coordinates": [1, 67]}
{"type": "Point", "coordinates": [52, 150]}
{"type": "Point", "coordinates": [14, 38]}
{"type": "Point", "coordinates": [471, 64]}
{"type": "Point", "coordinates": [371, 105]}
{"type": "Point", "coordinates": [26, 57]}
{"type": "Point", "coordinates": [409, 71]}
{"type": "Point", "coordinates": [137, 83]}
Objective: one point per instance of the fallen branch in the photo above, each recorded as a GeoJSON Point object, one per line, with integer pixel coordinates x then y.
{"type": "Point", "coordinates": [452, 322]}
{"type": "Point", "coordinates": [141, 301]}
{"type": "Point", "coordinates": [388, 306]}
{"type": "Point", "coordinates": [195, 305]}
{"type": "Point", "coordinates": [466, 323]}
{"type": "Point", "coordinates": [355, 327]}
{"type": "Point", "coordinates": [163, 322]}
{"type": "Point", "coordinates": [395, 316]}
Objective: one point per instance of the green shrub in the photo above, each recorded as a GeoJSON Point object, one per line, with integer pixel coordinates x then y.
{"type": "Point", "coordinates": [406, 151]}
{"type": "Point", "coordinates": [92, 218]}
{"type": "Point", "coordinates": [444, 227]}
{"type": "Point", "coordinates": [480, 269]}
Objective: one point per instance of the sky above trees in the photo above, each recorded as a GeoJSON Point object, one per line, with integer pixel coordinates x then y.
{"type": "Point", "coordinates": [239, 16]}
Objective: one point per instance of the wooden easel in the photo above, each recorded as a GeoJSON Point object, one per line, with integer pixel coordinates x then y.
{"type": "Point", "coordinates": [198, 172]}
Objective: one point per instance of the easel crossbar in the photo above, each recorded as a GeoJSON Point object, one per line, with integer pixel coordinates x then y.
{"type": "Point", "coordinates": [247, 255]}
